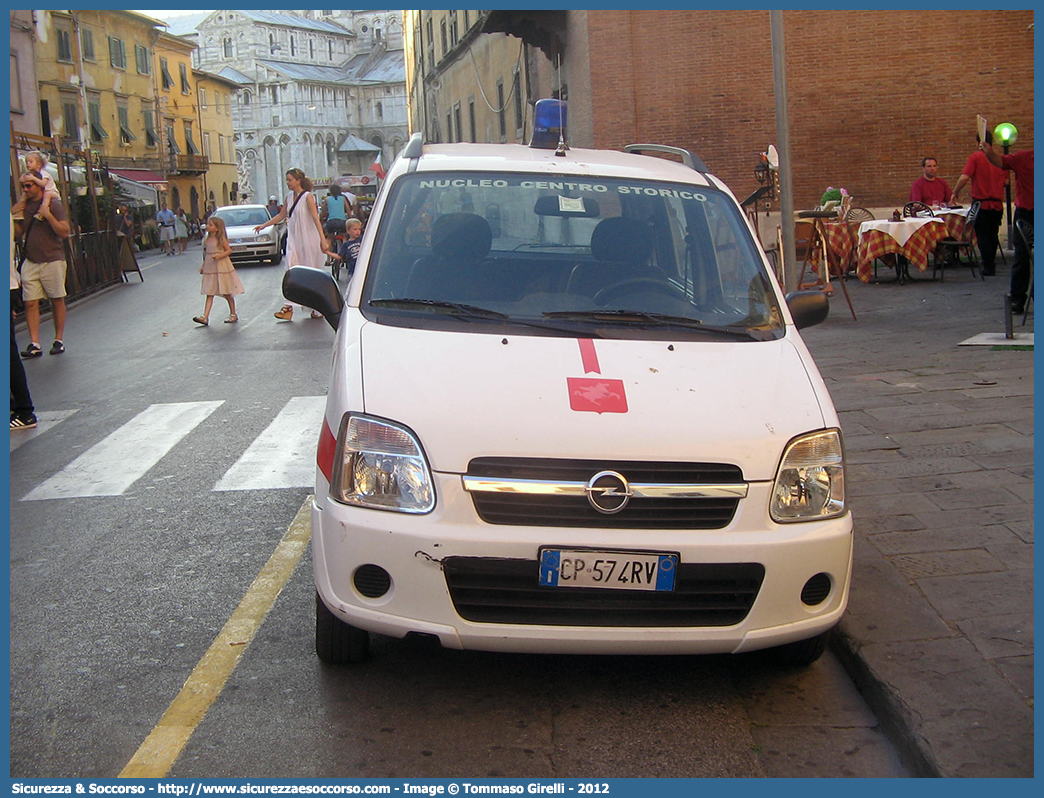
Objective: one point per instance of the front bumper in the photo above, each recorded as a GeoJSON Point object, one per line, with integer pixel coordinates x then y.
{"type": "Point", "coordinates": [412, 550]}
{"type": "Point", "coordinates": [254, 251]}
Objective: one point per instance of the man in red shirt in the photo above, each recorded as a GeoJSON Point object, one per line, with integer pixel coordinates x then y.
{"type": "Point", "coordinates": [987, 189]}
{"type": "Point", "coordinates": [931, 190]}
{"type": "Point", "coordinates": [1021, 164]}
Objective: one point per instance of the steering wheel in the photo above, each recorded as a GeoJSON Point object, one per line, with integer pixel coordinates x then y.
{"type": "Point", "coordinates": [605, 295]}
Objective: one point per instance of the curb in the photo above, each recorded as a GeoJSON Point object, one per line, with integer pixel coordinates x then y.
{"type": "Point", "coordinates": [886, 704]}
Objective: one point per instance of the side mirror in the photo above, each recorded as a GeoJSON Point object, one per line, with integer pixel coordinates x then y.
{"type": "Point", "coordinates": [808, 307]}
{"type": "Point", "coordinates": [314, 289]}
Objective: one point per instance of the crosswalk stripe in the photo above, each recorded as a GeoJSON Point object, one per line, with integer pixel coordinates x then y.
{"type": "Point", "coordinates": [113, 465]}
{"type": "Point", "coordinates": [283, 456]}
{"type": "Point", "coordinates": [46, 419]}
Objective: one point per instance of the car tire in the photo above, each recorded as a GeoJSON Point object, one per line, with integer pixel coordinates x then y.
{"type": "Point", "coordinates": [282, 248]}
{"type": "Point", "coordinates": [802, 653]}
{"type": "Point", "coordinates": [336, 642]}
{"type": "Point", "coordinates": [276, 259]}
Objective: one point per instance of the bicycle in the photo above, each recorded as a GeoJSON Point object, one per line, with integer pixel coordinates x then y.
{"type": "Point", "coordinates": [336, 240]}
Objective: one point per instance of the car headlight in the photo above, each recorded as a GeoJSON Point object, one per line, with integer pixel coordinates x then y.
{"type": "Point", "coordinates": [264, 237]}
{"type": "Point", "coordinates": [810, 482]}
{"type": "Point", "coordinates": [380, 465]}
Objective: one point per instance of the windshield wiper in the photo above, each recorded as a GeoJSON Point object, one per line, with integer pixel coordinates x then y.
{"type": "Point", "coordinates": [453, 308]}
{"type": "Point", "coordinates": [646, 318]}
{"type": "Point", "coordinates": [468, 312]}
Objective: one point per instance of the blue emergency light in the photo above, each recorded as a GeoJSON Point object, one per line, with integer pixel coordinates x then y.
{"type": "Point", "coordinates": [549, 125]}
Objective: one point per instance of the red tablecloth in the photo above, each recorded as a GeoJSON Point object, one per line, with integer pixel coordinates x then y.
{"type": "Point", "coordinates": [877, 243]}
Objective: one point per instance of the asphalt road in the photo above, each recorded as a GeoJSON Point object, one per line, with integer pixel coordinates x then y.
{"type": "Point", "coordinates": [167, 470]}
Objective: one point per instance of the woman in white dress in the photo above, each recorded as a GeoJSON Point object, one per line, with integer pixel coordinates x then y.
{"type": "Point", "coordinates": [306, 243]}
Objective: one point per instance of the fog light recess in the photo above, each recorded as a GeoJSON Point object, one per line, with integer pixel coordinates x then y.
{"type": "Point", "coordinates": [816, 590]}
{"type": "Point", "coordinates": [372, 581]}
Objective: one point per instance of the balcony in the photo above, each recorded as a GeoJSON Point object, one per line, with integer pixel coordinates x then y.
{"type": "Point", "coordinates": [190, 164]}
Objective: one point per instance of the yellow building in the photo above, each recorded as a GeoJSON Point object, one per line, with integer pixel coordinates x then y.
{"type": "Point", "coordinates": [180, 141]}
{"type": "Point", "coordinates": [94, 71]}
{"type": "Point", "coordinates": [215, 98]}
{"type": "Point", "coordinates": [464, 83]}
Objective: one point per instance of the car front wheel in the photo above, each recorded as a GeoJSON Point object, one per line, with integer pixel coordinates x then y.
{"type": "Point", "coordinates": [802, 653]}
{"type": "Point", "coordinates": [336, 642]}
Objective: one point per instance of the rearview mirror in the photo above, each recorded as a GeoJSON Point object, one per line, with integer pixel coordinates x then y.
{"type": "Point", "coordinates": [808, 307]}
{"type": "Point", "coordinates": [314, 289]}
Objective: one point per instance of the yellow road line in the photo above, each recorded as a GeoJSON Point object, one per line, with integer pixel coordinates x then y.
{"type": "Point", "coordinates": [157, 754]}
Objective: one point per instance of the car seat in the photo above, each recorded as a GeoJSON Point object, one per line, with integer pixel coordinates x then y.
{"type": "Point", "coordinates": [459, 243]}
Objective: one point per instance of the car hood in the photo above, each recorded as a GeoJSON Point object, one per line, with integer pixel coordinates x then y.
{"type": "Point", "coordinates": [242, 231]}
{"type": "Point", "coordinates": [471, 395]}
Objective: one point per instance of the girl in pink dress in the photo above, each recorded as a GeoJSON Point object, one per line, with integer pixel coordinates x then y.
{"type": "Point", "coordinates": [219, 275]}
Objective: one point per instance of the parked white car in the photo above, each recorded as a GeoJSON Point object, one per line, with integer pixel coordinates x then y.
{"type": "Point", "coordinates": [240, 221]}
{"type": "Point", "coordinates": [570, 411]}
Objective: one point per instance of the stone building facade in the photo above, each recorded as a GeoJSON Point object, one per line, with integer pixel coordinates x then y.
{"type": "Point", "coordinates": [310, 83]}
{"type": "Point", "coordinates": [25, 97]}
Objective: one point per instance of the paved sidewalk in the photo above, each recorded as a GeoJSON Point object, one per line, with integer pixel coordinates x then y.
{"type": "Point", "coordinates": [939, 441]}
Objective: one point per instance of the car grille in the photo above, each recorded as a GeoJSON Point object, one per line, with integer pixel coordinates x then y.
{"type": "Point", "coordinates": [486, 590]}
{"type": "Point", "coordinates": [575, 511]}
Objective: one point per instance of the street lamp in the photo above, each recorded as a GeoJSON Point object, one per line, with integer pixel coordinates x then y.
{"type": "Point", "coordinates": [1007, 134]}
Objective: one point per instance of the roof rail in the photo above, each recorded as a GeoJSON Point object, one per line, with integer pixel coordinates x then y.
{"type": "Point", "coordinates": [414, 146]}
{"type": "Point", "coordinates": [690, 159]}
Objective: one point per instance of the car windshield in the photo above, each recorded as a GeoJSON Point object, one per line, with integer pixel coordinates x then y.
{"type": "Point", "coordinates": [237, 217]}
{"type": "Point", "coordinates": [567, 256]}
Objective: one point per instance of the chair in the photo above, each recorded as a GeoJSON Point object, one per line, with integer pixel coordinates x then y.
{"type": "Point", "coordinates": [855, 217]}
{"type": "Point", "coordinates": [917, 209]}
{"type": "Point", "coordinates": [459, 243]}
{"type": "Point", "coordinates": [1025, 230]}
{"type": "Point", "coordinates": [951, 247]}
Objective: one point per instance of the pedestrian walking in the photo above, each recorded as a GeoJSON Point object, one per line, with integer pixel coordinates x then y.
{"type": "Point", "coordinates": [306, 243]}
{"type": "Point", "coordinates": [349, 251]}
{"type": "Point", "coordinates": [166, 220]}
{"type": "Point", "coordinates": [23, 414]}
{"type": "Point", "coordinates": [43, 230]}
{"type": "Point", "coordinates": [181, 230]}
{"type": "Point", "coordinates": [127, 225]}
{"type": "Point", "coordinates": [219, 275]}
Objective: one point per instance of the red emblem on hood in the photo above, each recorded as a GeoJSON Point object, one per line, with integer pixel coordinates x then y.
{"type": "Point", "coordinates": [595, 394]}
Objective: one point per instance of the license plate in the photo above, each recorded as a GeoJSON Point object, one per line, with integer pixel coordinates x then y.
{"type": "Point", "coordinates": [616, 570]}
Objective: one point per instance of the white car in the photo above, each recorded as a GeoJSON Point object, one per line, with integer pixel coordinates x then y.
{"type": "Point", "coordinates": [570, 411]}
{"type": "Point", "coordinates": [240, 221]}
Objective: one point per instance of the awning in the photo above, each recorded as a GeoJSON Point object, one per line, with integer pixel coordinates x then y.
{"type": "Point", "coordinates": [140, 193]}
{"type": "Point", "coordinates": [140, 176]}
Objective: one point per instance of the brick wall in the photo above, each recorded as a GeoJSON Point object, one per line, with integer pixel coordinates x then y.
{"type": "Point", "coordinates": [870, 92]}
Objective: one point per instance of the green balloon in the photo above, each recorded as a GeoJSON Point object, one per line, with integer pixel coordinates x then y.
{"type": "Point", "coordinates": [1005, 134]}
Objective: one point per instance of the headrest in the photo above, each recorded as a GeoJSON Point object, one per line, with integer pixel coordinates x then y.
{"type": "Point", "coordinates": [620, 240]}
{"type": "Point", "coordinates": [461, 237]}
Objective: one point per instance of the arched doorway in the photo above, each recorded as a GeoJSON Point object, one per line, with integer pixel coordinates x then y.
{"type": "Point", "coordinates": [175, 198]}
{"type": "Point", "coordinates": [194, 202]}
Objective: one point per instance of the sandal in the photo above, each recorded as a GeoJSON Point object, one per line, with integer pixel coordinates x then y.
{"type": "Point", "coordinates": [316, 314]}
{"type": "Point", "coordinates": [200, 320]}
{"type": "Point", "coordinates": [232, 319]}
{"type": "Point", "coordinates": [287, 313]}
